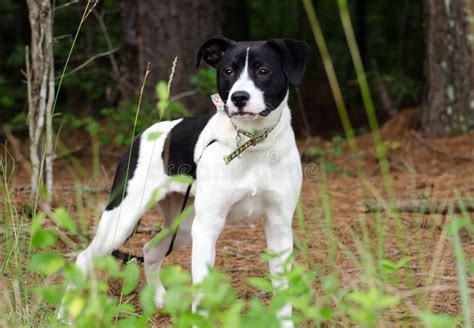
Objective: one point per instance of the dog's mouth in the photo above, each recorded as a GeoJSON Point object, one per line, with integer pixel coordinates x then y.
{"type": "Point", "coordinates": [243, 115]}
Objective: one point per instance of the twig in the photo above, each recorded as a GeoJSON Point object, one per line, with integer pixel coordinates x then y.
{"type": "Point", "coordinates": [108, 40]}
{"type": "Point", "coordinates": [111, 154]}
{"type": "Point", "coordinates": [67, 4]}
{"type": "Point", "coordinates": [423, 206]}
{"type": "Point", "coordinates": [69, 152]}
{"type": "Point", "coordinates": [87, 62]}
{"type": "Point", "coordinates": [428, 145]}
{"type": "Point", "coordinates": [148, 230]}
{"type": "Point", "coordinates": [183, 95]}
{"type": "Point", "coordinates": [16, 149]}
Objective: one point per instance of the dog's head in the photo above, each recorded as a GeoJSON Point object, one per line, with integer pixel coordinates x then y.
{"type": "Point", "coordinates": [253, 77]}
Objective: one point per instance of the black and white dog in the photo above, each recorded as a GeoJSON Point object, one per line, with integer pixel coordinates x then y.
{"type": "Point", "coordinates": [243, 158]}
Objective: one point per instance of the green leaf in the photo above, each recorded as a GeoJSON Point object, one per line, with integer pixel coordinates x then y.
{"type": "Point", "coordinates": [127, 322]}
{"type": "Point", "coordinates": [330, 167]}
{"type": "Point", "coordinates": [323, 313]}
{"type": "Point", "coordinates": [46, 263]}
{"type": "Point", "coordinates": [130, 279]}
{"type": "Point", "coordinates": [93, 127]}
{"type": "Point", "coordinates": [402, 262]}
{"type": "Point", "coordinates": [155, 196]}
{"type": "Point", "coordinates": [457, 224]}
{"type": "Point", "coordinates": [182, 179]}
{"type": "Point", "coordinates": [326, 313]}
{"type": "Point", "coordinates": [269, 254]}
{"type": "Point", "coordinates": [43, 239]}
{"type": "Point", "coordinates": [124, 308]}
{"type": "Point", "coordinates": [387, 301]}
{"type": "Point", "coordinates": [74, 275]}
{"type": "Point", "coordinates": [175, 276]}
{"type": "Point", "coordinates": [37, 222]}
{"type": "Point", "coordinates": [261, 283]}
{"type": "Point", "coordinates": [75, 305]}
{"type": "Point", "coordinates": [109, 264]}
{"type": "Point", "coordinates": [388, 266]}
{"type": "Point", "coordinates": [162, 90]}
{"type": "Point", "coordinates": [439, 320]}
{"type": "Point", "coordinates": [174, 226]}
{"type": "Point", "coordinates": [52, 294]}
{"type": "Point", "coordinates": [64, 220]}
{"type": "Point", "coordinates": [175, 300]}
{"type": "Point", "coordinates": [152, 136]}
{"type": "Point", "coordinates": [231, 317]}
{"type": "Point", "coordinates": [373, 299]}
{"type": "Point", "coordinates": [43, 192]}
{"type": "Point", "coordinates": [147, 299]}
{"type": "Point", "coordinates": [330, 283]}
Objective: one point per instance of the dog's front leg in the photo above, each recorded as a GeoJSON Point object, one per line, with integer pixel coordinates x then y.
{"type": "Point", "coordinates": [205, 231]}
{"type": "Point", "coordinates": [279, 236]}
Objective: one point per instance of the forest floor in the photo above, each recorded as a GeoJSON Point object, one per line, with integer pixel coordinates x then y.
{"type": "Point", "coordinates": [436, 169]}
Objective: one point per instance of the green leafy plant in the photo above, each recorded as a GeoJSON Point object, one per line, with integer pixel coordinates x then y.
{"type": "Point", "coordinates": [365, 306]}
{"type": "Point", "coordinates": [331, 150]}
{"type": "Point", "coordinates": [204, 81]}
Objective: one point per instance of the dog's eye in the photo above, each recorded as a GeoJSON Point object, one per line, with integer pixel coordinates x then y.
{"type": "Point", "coordinates": [263, 71]}
{"type": "Point", "coordinates": [228, 71]}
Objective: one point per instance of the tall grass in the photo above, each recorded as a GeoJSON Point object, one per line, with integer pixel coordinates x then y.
{"type": "Point", "coordinates": [382, 290]}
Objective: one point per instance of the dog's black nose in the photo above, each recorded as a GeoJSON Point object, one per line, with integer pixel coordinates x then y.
{"type": "Point", "coordinates": [240, 98]}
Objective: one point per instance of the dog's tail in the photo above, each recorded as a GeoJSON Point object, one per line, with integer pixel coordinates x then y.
{"type": "Point", "coordinates": [126, 257]}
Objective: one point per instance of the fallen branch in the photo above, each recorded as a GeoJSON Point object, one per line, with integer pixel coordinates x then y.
{"type": "Point", "coordinates": [435, 150]}
{"type": "Point", "coordinates": [422, 206]}
{"type": "Point", "coordinates": [83, 189]}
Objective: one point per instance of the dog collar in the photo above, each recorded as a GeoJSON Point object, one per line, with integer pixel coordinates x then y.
{"type": "Point", "coordinates": [255, 138]}
{"type": "Point", "coordinates": [217, 101]}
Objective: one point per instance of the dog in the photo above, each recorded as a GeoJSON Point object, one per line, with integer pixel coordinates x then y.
{"type": "Point", "coordinates": [243, 159]}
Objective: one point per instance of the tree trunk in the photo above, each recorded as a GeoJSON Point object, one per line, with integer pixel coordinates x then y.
{"type": "Point", "coordinates": [361, 11]}
{"type": "Point", "coordinates": [448, 104]}
{"type": "Point", "coordinates": [157, 32]}
{"type": "Point", "coordinates": [40, 82]}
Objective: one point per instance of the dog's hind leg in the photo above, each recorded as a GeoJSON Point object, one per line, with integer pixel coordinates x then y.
{"type": "Point", "coordinates": [139, 180]}
{"type": "Point", "coordinates": [155, 253]}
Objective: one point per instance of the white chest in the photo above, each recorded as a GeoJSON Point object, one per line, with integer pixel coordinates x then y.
{"type": "Point", "coordinates": [250, 207]}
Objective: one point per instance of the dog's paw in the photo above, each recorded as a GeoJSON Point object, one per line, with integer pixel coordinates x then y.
{"type": "Point", "coordinates": [62, 318]}
{"type": "Point", "coordinates": [160, 297]}
{"type": "Point", "coordinates": [287, 324]}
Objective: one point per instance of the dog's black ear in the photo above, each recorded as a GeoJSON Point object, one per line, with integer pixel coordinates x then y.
{"type": "Point", "coordinates": [212, 50]}
{"type": "Point", "coordinates": [293, 54]}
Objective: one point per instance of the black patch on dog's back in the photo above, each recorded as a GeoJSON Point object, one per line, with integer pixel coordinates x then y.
{"type": "Point", "coordinates": [178, 153]}
{"type": "Point", "coordinates": [119, 187]}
